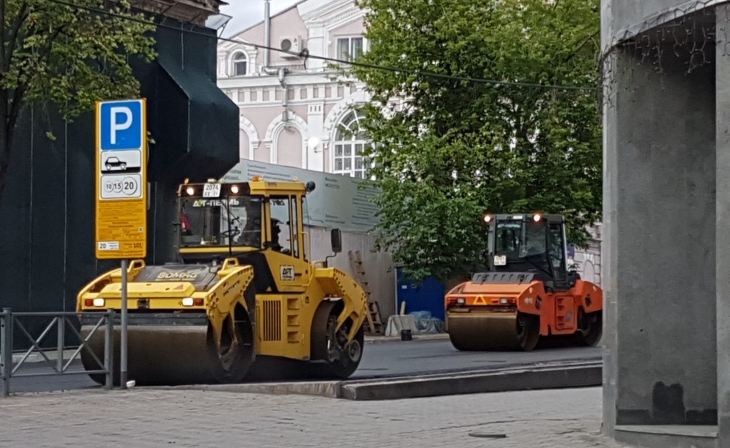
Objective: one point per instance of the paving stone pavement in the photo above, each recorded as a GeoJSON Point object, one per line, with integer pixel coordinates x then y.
{"type": "Point", "coordinates": [568, 418]}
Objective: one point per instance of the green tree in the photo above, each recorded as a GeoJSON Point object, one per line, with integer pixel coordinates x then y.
{"type": "Point", "coordinates": [456, 149]}
{"type": "Point", "coordinates": [71, 57]}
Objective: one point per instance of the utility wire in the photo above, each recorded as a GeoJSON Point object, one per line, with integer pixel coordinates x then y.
{"type": "Point", "coordinates": [306, 55]}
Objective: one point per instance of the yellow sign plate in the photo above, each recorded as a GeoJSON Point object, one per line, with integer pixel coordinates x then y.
{"type": "Point", "coordinates": [121, 179]}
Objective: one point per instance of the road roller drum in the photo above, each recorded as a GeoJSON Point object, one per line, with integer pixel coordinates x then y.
{"type": "Point", "coordinates": [157, 354]}
{"type": "Point", "coordinates": [481, 331]}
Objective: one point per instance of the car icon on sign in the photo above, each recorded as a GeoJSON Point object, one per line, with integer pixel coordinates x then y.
{"type": "Point", "coordinates": [114, 164]}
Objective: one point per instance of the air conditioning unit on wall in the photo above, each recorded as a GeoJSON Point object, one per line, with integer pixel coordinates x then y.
{"type": "Point", "coordinates": [291, 44]}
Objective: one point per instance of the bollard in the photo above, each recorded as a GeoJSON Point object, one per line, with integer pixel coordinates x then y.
{"type": "Point", "coordinates": [109, 349]}
{"type": "Point", "coordinates": [6, 350]}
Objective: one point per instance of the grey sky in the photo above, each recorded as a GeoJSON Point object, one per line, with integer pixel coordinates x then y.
{"type": "Point", "coordinates": [247, 12]}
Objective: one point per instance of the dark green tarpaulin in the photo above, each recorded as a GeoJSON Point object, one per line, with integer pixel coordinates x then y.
{"type": "Point", "coordinates": [47, 209]}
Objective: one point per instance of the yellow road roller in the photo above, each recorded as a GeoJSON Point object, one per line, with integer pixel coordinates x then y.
{"type": "Point", "coordinates": [527, 293]}
{"type": "Point", "coordinates": [243, 297]}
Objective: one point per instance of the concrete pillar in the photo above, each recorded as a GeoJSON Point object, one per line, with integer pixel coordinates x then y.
{"type": "Point", "coordinates": [659, 245]}
{"type": "Point", "coordinates": [722, 81]}
{"type": "Point", "coordinates": [609, 253]}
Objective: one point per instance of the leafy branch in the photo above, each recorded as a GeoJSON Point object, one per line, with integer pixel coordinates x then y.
{"type": "Point", "coordinates": [66, 56]}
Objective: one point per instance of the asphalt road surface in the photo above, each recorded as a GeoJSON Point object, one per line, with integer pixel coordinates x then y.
{"type": "Point", "coordinates": [380, 359]}
{"type": "Point", "coordinates": [424, 357]}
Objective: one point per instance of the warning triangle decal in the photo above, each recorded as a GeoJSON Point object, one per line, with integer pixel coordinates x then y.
{"type": "Point", "coordinates": [480, 301]}
{"type": "Point", "coordinates": [178, 287]}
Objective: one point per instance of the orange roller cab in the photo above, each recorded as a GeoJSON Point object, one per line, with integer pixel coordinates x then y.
{"type": "Point", "coordinates": [527, 292]}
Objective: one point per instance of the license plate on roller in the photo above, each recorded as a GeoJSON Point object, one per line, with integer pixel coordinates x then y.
{"type": "Point", "coordinates": [500, 260]}
{"type": "Point", "coordinates": [211, 190]}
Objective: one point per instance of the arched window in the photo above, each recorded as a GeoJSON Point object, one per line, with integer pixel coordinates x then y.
{"type": "Point", "coordinates": [350, 142]}
{"type": "Point", "coordinates": [240, 64]}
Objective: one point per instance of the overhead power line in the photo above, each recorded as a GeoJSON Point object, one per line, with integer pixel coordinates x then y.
{"type": "Point", "coordinates": [334, 60]}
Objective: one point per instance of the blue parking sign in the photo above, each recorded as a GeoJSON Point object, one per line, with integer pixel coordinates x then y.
{"type": "Point", "coordinates": [121, 125]}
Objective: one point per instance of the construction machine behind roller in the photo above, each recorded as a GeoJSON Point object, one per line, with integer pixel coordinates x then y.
{"type": "Point", "coordinates": [527, 293]}
{"type": "Point", "coordinates": [243, 292]}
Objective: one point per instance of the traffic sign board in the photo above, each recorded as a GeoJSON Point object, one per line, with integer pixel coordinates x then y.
{"type": "Point", "coordinates": [121, 125]}
{"type": "Point", "coordinates": [121, 187]}
{"type": "Point", "coordinates": [121, 179]}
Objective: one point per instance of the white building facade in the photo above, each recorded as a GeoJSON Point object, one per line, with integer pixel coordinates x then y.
{"type": "Point", "coordinates": [292, 111]}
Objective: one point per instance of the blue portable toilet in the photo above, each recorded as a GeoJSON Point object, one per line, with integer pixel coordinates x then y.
{"type": "Point", "coordinates": [427, 296]}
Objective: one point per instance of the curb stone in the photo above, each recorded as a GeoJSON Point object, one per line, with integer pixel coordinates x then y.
{"type": "Point", "coordinates": [416, 337]}
{"type": "Point", "coordinates": [553, 376]}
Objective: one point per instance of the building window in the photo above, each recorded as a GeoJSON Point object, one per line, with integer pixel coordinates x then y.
{"type": "Point", "coordinates": [350, 142]}
{"type": "Point", "coordinates": [240, 64]}
{"type": "Point", "coordinates": [349, 48]}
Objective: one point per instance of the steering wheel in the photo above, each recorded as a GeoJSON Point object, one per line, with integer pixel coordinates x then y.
{"type": "Point", "coordinates": [230, 233]}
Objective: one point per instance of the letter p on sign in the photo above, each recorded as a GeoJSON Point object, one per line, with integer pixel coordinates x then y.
{"type": "Point", "coordinates": [116, 125]}
{"type": "Point", "coordinates": [121, 125]}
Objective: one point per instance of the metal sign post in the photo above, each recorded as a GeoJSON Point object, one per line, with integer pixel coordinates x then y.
{"type": "Point", "coordinates": [121, 194]}
{"type": "Point", "coordinates": [124, 341]}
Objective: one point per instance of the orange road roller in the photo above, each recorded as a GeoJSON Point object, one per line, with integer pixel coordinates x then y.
{"type": "Point", "coordinates": [527, 294]}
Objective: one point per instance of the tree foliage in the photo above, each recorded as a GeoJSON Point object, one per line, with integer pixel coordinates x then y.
{"type": "Point", "coordinates": [68, 56]}
{"type": "Point", "coordinates": [455, 149]}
